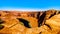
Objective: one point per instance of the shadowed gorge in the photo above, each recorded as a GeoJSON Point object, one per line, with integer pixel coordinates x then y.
{"type": "Point", "coordinates": [25, 22]}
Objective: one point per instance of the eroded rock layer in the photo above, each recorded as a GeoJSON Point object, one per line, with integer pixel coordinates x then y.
{"type": "Point", "coordinates": [39, 22]}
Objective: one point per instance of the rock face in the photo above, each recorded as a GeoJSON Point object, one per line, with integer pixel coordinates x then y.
{"type": "Point", "coordinates": [16, 22]}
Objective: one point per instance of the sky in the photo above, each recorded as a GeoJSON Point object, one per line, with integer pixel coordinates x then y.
{"type": "Point", "coordinates": [29, 4]}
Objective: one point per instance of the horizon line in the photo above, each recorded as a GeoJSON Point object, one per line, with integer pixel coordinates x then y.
{"type": "Point", "coordinates": [28, 9]}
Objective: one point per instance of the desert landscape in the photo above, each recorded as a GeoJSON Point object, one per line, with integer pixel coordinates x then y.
{"type": "Point", "coordinates": [37, 22]}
